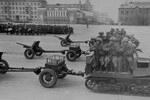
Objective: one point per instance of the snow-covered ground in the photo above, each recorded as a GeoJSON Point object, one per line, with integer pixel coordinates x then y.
{"type": "Point", "coordinates": [25, 86]}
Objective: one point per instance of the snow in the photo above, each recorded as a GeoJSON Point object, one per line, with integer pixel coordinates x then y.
{"type": "Point", "coordinates": [25, 86]}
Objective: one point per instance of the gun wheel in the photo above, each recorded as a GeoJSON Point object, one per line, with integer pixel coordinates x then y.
{"type": "Point", "coordinates": [29, 53]}
{"type": "Point", "coordinates": [4, 66]}
{"type": "Point", "coordinates": [71, 55]}
{"type": "Point", "coordinates": [63, 43]}
{"type": "Point", "coordinates": [48, 78]}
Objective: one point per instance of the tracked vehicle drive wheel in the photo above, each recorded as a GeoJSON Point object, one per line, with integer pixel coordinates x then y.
{"type": "Point", "coordinates": [4, 66]}
{"type": "Point", "coordinates": [90, 84]}
{"type": "Point", "coordinates": [29, 53]}
{"type": "Point", "coordinates": [48, 78]}
{"type": "Point", "coordinates": [71, 55]}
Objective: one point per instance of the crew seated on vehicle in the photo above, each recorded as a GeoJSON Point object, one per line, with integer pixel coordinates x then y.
{"type": "Point", "coordinates": [113, 52]}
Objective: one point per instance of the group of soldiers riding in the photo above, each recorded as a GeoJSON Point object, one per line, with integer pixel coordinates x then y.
{"type": "Point", "coordinates": [32, 29]}
{"type": "Point", "coordinates": [113, 51]}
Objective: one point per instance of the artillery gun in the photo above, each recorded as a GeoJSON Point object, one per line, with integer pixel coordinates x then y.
{"type": "Point", "coordinates": [64, 42]}
{"type": "Point", "coordinates": [54, 69]}
{"type": "Point", "coordinates": [73, 53]}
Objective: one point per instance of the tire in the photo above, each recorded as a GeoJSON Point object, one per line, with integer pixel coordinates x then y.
{"type": "Point", "coordinates": [71, 56]}
{"type": "Point", "coordinates": [4, 66]}
{"type": "Point", "coordinates": [63, 43]}
{"type": "Point", "coordinates": [29, 53]}
{"type": "Point", "coordinates": [62, 76]}
{"type": "Point", "coordinates": [48, 78]}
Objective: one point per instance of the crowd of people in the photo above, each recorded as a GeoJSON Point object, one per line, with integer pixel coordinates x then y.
{"type": "Point", "coordinates": [113, 51]}
{"type": "Point", "coordinates": [32, 29]}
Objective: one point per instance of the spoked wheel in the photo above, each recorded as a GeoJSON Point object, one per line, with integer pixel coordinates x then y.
{"type": "Point", "coordinates": [90, 84]}
{"type": "Point", "coordinates": [29, 53]}
{"type": "Point", "coordinates": [3, 66]}
{"type": "Point", "coordinates": [48, 78]}
{"type": "Point", "coordinates": [132, 88]}
{"type": "Point", "coordinates": [71, 55]}
{"type": "Point", "coordinates": [63, 43]}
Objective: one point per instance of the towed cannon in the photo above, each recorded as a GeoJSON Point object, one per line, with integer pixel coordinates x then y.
{"type": "Point", "coordinates": [54, 69]}
{"type": "Point", "coordinates": [72, 54]}
{"type": "Point", "coordinates": [35, 49]}
{"type": "Point", "coordinates": [67, 41]}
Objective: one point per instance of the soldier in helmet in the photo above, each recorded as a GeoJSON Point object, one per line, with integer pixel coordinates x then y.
{"type": "Point", "coordinates": [129, 51]}
{"type": "Point", "coordinates": [116, 53]}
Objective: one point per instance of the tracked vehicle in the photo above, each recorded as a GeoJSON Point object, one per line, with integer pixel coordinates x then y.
{"type": "Point", "coordinates": [116, 65]}
{"type": "Point", "coordinates": [109, 81]}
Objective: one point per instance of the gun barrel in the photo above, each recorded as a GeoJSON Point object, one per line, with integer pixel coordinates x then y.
{"type": "Point", "coordinates": [19, 43]}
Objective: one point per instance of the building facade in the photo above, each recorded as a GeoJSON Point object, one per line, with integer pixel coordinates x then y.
{"type": "Point", "coordinates": [38, 11]}
{"type": "Point", "coordinates": [134, 13]}
{"type": "Point", "coordinates": [67, 13]}
{"type": "Point", "coordinates": [20, 10]}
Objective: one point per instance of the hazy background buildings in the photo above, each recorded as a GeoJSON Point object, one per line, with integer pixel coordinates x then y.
{"type": "Point", "coordinates": [134, 13]}
{"type": "Point", "coordinates": [45, 12]}
{"type": "Point", "coordinates": [125, 12]}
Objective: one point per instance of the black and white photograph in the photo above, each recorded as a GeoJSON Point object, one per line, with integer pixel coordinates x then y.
{"type": "Point", "coordinates": [74, 49]}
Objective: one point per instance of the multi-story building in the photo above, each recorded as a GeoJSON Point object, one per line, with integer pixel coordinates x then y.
{"type": "Point", "coordinates": [38, 11]}
{"type": "Point", "coordinates": [66, 13]}
{"type": "Point", "coordinates": [135, 13]}
{"type": "Point", "coordinates": [20, 10]}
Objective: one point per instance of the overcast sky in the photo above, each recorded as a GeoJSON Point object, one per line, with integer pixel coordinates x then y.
{"type": "Point", "coordinates": [108, 6]}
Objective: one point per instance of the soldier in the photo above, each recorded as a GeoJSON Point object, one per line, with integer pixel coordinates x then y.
{"type": "Point", "coordinates": [116, 53]}
{"type": "Point", "coordinates": [112, 30]}
{"type": "Point", "coordinates": [129, 51]}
